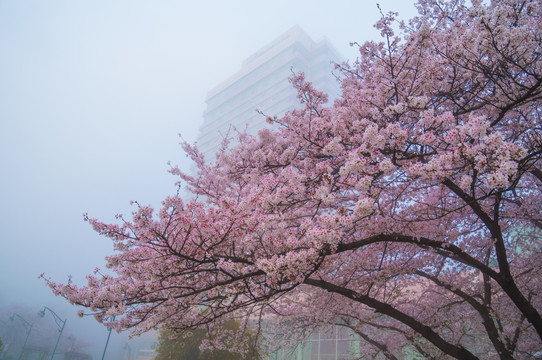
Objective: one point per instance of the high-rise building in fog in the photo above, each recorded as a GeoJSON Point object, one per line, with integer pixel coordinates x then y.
{"type": "Point", "coordinates": [262, 83]}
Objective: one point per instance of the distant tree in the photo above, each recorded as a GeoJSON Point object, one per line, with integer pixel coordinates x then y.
{"type": "Point", "coordinates": [176, 345]}
{"type": "Point", "coordinates": [410, 207]}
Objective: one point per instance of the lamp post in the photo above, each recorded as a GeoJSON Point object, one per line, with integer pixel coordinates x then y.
{"type": "Point", "coordinates": [27, 327]}
{"type": "Point", "coordinates": [6, 340]}
{"type": "Point", "coordinates": [129, 348]}
{"type": "Point", "coordinates": [72, 345]}
{"type": "Point", "coordinates": [59, 322]}
{"type": "Point", "coordinates": [108, 336]}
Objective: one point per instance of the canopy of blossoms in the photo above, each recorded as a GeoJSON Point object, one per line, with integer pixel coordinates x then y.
{"type": "Point", "coordinates": [408, 210]}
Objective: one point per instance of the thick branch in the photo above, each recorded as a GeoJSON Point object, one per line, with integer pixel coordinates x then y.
{"type": "Point", "coordinates": [484, 313]}
{"type": "Point", "coordinates": [386, 309]}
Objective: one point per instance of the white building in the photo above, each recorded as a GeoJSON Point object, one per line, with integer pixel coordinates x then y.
{"type": "Point", "coordinates": [262, 84]}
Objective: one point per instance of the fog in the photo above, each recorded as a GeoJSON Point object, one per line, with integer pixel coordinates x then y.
{"type": "Point", "coordinates": [93, 95]}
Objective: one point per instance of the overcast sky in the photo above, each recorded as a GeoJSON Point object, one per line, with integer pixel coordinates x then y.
{"type": "Point", "coordinates": [93, 95]}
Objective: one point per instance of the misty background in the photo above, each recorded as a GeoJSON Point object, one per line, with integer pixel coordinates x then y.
{"type": "Point", "coordinates": [93, 95]}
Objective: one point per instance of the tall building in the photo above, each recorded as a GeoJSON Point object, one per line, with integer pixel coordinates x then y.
{"type": "Point", "coordinates": [262, 84]}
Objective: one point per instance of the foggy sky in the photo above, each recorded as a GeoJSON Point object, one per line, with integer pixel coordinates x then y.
{"type": "Point", "coordinates": [93, 95]}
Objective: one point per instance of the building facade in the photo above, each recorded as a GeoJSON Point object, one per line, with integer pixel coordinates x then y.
{"type": "Point", "coordinates": [262, 84]}
{"type": "Point", "coordinates": [334, 343]}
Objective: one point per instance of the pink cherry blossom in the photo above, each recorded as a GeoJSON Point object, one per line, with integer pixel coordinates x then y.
{"type": "Point", "coordinates": [408, 211]}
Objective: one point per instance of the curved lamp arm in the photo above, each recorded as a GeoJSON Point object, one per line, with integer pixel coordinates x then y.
{"type": "Point", "coordinates": [59, 322]}
{"type": "Point", "coordinates": [26, 324]}
{"type": "Point", "coordinates": [27, 327]}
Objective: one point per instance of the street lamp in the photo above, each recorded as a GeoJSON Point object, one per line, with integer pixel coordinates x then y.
{"type": "Point", "coordinates": [59, 322]}
{"type": "Point", "coordinates": [27, 327]}
{"type": "Point", "coordinates": [72, 345]}
{"type": "Point", "coordinates": [6, 340]}
{"type": "Point", "coordinates": [129, 348]}
{"type": "Point", "coordinates": [108, 336]}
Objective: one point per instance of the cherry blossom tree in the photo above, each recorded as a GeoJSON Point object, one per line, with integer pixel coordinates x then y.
{"type": "Point", "coordinates": [408, 210]}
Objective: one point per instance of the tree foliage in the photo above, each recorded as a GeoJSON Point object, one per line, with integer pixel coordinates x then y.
{"type": "Point", "coordinates": [408, 210]}
{"type": "Point", "coordinates": [186, 346]}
